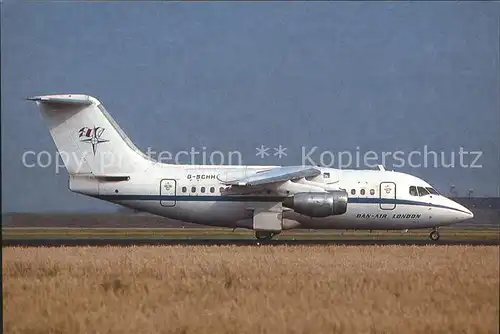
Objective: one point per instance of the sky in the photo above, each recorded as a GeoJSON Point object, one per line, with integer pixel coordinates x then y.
{"type": "Point", "coordinates": [317, 78]}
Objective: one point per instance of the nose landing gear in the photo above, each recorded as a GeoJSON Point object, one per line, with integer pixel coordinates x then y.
{"type": "Point", "coordinates": [434, 235]}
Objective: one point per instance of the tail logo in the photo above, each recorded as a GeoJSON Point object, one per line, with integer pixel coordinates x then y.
{"type": "Point", "coordinates": [92, 136]}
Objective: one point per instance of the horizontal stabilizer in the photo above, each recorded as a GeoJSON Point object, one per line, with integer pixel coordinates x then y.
{"type": "Point", "coordinates": [70, 99]}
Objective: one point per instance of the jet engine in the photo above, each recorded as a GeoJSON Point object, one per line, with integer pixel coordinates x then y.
{"type": "Point", "coordinates": [318, 205]}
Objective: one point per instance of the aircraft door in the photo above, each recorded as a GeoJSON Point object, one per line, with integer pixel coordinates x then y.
{"type": "Point", "coordinates": [387, 195]}
{"type": "Point", "coordinates": [168, 189]}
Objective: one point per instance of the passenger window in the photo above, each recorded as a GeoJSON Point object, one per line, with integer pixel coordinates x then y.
{"type": "Point", "coordinates": [422, 191]}
{"type": "Point", "coordinates": [362, 192]}
{"type": "Point", "coordinates": [184, 189]}
{"type": "Point", "coordinates": [413, 191]}
{"type": "Point", "coordinates": [202, 189]}
{"type": "Point", "coordinates": [212, 189]}
{"type": "Point", "coordinates": [353, 192]}
{"type": "Point", "coordinates": [372, 192]}
{"type": "Point", "coordinates": [193, 189]}
{"type": "Point", "coordinates": [326, 175]}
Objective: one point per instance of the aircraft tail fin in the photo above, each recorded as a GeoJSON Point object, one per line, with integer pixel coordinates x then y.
{"type": "Point", "coordinates": [89, 141]}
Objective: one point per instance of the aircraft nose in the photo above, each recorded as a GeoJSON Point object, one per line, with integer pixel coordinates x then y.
{"type": "Point", "coordinates": [467, 213]}
{"type": "Point", "coordinates": [463, 213]}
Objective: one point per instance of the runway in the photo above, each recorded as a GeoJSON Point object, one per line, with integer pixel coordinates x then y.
{"type": "Point", "coordinates": [235, 242]}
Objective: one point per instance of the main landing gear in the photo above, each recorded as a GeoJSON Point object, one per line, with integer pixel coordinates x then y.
{"type": "Point", "coordinates": [434, 235]}
{"type": "Point", "coordinates": [264, 235]}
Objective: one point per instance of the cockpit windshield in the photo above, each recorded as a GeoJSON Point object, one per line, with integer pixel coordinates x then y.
{"type": "Point", "coordinates": [432, 190]}
{"type": "Point", "coordinates": [413, 191]}
{"type": "Point", "coordinates": [422, 191]}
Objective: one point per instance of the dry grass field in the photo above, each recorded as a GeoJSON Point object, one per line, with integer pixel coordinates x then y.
{"type": "Point", "coordinates": [281, 289]}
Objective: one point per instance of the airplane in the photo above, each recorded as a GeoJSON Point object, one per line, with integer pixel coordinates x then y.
{"type": "Point", "coordinates": [103, 163]}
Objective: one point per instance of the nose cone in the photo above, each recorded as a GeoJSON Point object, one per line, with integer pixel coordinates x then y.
{"type": "Point", "coordinates": [462, 213]}
{"type": "Point", "coordinates": [451, 212]}
{"type": "Point", "coordinates": [467, 214]}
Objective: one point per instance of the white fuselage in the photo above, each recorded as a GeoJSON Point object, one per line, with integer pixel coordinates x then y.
{"type": "Point", "coordinates": [377, 199]}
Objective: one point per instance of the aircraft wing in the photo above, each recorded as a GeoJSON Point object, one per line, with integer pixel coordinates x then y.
{"type": "Point", "coordinates": [277, 174]}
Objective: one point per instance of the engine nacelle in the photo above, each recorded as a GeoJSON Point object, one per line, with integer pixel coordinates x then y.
{"type": "Point", "coordinates": [318, 204]}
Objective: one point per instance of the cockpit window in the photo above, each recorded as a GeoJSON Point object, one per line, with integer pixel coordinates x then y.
{"type": "Point", "coordinates": [422, 191]}
{"type": "Point", "coordinates": [432, 190]}
{"type": "Point", "coordinates": [413, 191]}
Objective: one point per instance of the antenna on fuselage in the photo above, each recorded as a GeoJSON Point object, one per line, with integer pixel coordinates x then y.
{"type": "Point", "coordinates": [381, 168]}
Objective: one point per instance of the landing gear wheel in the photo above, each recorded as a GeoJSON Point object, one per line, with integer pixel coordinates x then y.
{"type": "Point", "coordinates": [434, 236]}
{"type": "Point", "coordinates": [264, 235]}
